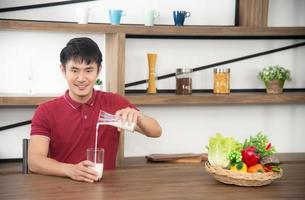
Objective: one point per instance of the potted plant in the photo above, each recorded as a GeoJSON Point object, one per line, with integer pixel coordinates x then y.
{"type": "Point", "coordinates": [98, 84]}
{"type": "Point", "coordinates": [274, 78]}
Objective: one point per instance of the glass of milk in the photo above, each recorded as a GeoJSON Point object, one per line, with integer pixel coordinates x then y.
{"type": "Point", "coordinates": [96, 155]}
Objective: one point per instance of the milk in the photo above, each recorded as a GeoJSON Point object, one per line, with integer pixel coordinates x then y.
{"type": "Point", "coordinates": [112, 120]}
{"type": "Point", "coordinates": [99, 169]}
{"type": "Point", "coordinates": [96, 136]}
{"type": "Point", "coordinates": [98, 166]}
{"type": "Point", "coordinates": [130, 127]}
{"type": "Point", "coordinates": [107, 119]}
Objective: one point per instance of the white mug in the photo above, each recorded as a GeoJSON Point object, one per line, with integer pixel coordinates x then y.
{"type": "Point", "coordinates": [149, 19]}
{"type": "Point", "coordinates": [82, 14]}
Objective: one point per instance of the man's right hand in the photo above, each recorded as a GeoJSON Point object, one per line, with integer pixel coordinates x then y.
{"type": "Point", "coordinates": [83, 172]}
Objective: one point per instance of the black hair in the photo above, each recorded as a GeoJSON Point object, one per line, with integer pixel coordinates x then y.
{"type": "Point", "coordinates": [81, 49]}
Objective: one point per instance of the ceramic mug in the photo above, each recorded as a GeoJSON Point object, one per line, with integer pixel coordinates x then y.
{"type": "Point", "coordinates": [179, 17]}
{"type": "Point", "coordinates": [115, 16]}
{"type": "Point", "coordinates": [150, 16]}
{"type": "Point", "coordinates": [82, 14]}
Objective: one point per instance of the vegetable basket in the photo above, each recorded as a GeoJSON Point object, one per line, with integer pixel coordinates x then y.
{"type": "Point", "coordinates": [240, 178]}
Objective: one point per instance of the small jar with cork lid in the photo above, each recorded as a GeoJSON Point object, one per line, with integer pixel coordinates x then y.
{"type": "Point", "coordinates": [221, 81]}
{"type": "Point", "coordinates": [184, 81]}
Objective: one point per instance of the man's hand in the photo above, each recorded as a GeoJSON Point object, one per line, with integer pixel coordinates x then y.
{"type": "Point", "coordinates": [83, 172]}
{"type": "Point", "coordinates": [143, 124]}
{"type": "Point", "coordinates": [129, 115]}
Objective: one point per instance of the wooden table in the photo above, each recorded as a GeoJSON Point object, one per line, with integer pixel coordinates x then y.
{"type": "Point", "coordinates": [148, 181]}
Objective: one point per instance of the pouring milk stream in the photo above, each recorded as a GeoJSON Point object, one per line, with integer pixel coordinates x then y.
{"type": "Point", "coordinates": [112, 120]}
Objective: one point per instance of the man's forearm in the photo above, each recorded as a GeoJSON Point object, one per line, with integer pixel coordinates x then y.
{"type": "Point", "coordinates": [47, 166]}
{"type": "Point", "coordinates": [148, 126]}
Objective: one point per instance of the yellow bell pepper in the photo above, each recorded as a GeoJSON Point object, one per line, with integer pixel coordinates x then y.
{"type": "Point", "coordinates": [239, 167]}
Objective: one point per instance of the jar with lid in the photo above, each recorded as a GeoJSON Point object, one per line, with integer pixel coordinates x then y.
{"type": "Point", "coordinates": [222, 80]}
{"type": "Point", "coordinates": [184, 81]}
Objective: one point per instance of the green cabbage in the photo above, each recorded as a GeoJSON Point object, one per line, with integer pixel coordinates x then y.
{"type": "Point", "coordinates": [219, 149]}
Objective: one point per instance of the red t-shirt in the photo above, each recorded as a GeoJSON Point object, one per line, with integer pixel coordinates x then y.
{"type": "Point", "coordinates": [71, 126]}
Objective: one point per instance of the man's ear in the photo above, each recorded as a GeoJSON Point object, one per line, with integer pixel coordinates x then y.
{"type": "Point", "coordinates": [99, 69]}
{"type": "Point", "coordinates": [63, 70]}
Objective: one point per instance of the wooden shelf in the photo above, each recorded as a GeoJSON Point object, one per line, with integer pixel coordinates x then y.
{"type": "Point", "coordinates": [24, 100]}
{"type": "Point", "coordinates": [161, 30]}
{"type": "Point", "coordinates": [173, 99]}
{"type": "Point", "coordinates": [212, 99]}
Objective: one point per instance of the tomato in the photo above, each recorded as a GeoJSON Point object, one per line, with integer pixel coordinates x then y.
{"type": "Point", "coordinates": [256, 168]}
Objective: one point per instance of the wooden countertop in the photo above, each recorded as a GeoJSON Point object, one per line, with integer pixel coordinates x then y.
{"type": "Point", "coordinates": [141, 180]}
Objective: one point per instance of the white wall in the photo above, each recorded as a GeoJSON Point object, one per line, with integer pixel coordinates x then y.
{"type": "Point", "coordinates": [32, 59]}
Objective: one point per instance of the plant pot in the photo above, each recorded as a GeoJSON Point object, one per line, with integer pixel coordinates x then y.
{"type": "Point", "coordinates": [274, 86]}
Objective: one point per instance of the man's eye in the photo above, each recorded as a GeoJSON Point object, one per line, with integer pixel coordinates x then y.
{"type": "Point", "coordinates": [74, 70]}
{"type": "Point", "coordinates": [89, 70]}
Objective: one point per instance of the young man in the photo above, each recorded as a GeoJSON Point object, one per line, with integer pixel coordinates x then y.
{"type": "Point", "coordinates": [63, 128]}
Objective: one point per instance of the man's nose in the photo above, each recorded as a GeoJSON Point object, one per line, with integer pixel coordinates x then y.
{"type": "Point", "coordinates": [81, 76]}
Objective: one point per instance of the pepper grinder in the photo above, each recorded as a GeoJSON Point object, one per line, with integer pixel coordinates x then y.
{"type": "Point", "coordinates": [152, 58]}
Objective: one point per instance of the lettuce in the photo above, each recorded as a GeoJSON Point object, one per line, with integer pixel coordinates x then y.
{"type": "Point", "coordinates": [219, 149]}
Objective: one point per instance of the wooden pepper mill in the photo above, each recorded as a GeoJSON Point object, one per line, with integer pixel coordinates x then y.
{"type": "Point", "coordinates": [152, 58]}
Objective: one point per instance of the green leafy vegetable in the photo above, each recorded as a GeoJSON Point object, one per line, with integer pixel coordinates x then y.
{"type": "Point", "coordinates": [219, 149]}
{"type": "Point", "coordinates": [260, 141]}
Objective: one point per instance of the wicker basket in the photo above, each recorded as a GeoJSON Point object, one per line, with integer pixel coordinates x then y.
{"type": "Point", "coordinates": [240, 178]}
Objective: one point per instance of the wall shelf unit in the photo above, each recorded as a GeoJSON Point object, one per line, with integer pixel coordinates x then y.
{"type": "Point", "coordinates": [252, 19]}
{"type": "Point", "coordinates": [115, 57]}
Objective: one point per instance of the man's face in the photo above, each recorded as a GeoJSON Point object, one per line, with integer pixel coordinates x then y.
{"type": "Point", "coordinates": [81, 79]}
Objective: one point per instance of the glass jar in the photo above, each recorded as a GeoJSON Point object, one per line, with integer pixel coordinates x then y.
{"type": "Point", "coordinates": [184, 81]}
{"type": "Point", "coordinates": [222, 80]}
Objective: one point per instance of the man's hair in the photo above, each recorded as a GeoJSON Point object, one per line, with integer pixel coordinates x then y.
{"type": "Point", "coordinates": [81, 49]}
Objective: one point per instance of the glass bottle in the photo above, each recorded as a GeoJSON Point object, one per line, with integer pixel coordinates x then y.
{"type": "Point", "coordinates": [184, 81]}
{"type": "Point", "coordinates": [222, 80]}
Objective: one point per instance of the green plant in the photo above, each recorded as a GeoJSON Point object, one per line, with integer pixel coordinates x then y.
{"type": "Point", "coordinates": [274, 73]}
{"type": "Point", "coordinates": [98, 82]}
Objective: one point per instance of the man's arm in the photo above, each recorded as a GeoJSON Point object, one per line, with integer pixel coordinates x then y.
{"type": "Point", "coordinates": [144, 124]}
{"type": "Point", "coordinates": [41, 164]}
{"type": "Point", "coordinates": [148, 126]}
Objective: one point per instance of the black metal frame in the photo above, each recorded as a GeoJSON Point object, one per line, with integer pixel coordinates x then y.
{"type": "Point", "coordinates": [10, 126]}
{"type": "Point", "coordinates": [42, 5]}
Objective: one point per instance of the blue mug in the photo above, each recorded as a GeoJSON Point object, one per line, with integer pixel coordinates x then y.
{"type": "Point", "coordinates": [179, 17]}
{"type": "Point", "coordinates": [115, 16]}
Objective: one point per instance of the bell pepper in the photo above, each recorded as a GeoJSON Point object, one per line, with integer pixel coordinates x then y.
{"type": "Point", "coordinates": [268, 146]}
{"type": "Point", "coordinates": [249, 156]}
